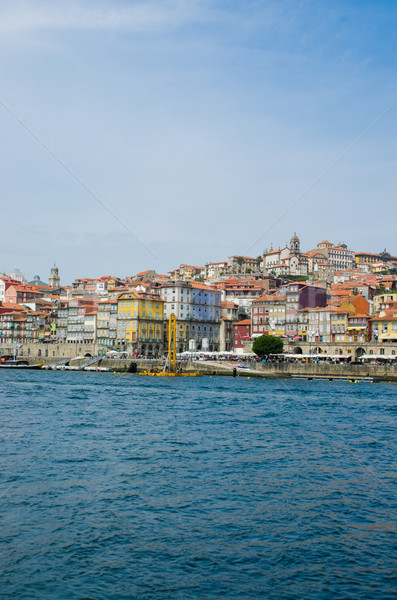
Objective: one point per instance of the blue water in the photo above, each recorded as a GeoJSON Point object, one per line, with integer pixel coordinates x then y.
{"type": "Point", "coordinates": [120, 486]}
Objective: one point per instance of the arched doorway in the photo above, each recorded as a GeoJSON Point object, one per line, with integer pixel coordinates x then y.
{"type": "Point", "coordinates": [359, 353]}
{"type": "Point", "coordinates": [297, 350]}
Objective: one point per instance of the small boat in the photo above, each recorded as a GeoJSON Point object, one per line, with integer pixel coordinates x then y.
{"type": "Point", "coordinates": [19, 364]}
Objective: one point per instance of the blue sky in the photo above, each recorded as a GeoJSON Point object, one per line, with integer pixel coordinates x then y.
{"type": "Point", "coordinates": [197, 123]}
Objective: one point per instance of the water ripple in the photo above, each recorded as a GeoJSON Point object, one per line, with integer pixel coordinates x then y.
{"type": "Point", "coordinates": [119, 486]}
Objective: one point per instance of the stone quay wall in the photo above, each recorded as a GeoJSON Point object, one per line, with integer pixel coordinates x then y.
{"type": "Point", "coordinates": [264, 370]}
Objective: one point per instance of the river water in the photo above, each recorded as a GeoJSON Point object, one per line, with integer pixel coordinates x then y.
{"type": "Point", "coordinates": [120, 486]}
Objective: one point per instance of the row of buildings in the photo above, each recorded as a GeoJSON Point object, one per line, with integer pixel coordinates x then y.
{"type": "Point", "coordinates": [224, 311]}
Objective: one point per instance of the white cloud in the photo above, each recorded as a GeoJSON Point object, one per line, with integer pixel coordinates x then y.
{"type": "Point", "coordinates": [27, 15]}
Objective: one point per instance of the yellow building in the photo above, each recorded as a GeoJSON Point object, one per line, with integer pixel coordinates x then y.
{"type": "Point", "coordinates": [140, 323]}
{"type": "Point", "coordinates": [339, 324]}
{"type": "Point", "coordinates": [385, 300]}
{"type": "Point", "coordinates": [385, 326]}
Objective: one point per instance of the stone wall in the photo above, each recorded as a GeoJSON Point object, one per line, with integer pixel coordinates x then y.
{"type": "Point", "coordinates": [51, 351]}
{"type": "Point", "coordinates": [270, 370]}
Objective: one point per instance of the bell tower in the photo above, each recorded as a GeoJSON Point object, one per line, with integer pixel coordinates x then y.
{"type": "Point", "coordinates": [295, 247]}
{"type": "Point", "coordinates": [54, 279]}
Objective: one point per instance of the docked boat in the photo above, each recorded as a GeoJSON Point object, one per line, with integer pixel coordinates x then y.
{"type": "Point", "coordinates": [19, 364]}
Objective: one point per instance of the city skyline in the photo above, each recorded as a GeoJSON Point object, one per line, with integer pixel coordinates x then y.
{"type": "Point", "coordinates": [305, 252]}
{"type": "Point", "coordinates": [198, 125]}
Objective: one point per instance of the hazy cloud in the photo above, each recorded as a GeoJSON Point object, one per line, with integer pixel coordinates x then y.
{"type": "Point", "coordinates": [33, 15]}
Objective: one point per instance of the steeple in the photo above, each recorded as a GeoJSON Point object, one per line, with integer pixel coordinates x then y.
{"type": "Point", "coordinates": [54, 279]}
{"type": "Point", "coordinates": [295, 245]}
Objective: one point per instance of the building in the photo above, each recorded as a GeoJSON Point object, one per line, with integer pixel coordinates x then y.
{"type": "Point", "coordinates": [187, 273]}
{"type": "Point", "coordinates": [339, 257]}
{"type": "Point", "coordinates": [37, 281]}
{"type": "Point", "coordinates": [197, 308]}
{"type": "Point", "coordinates": [18, 293]}
{"type": "Point", "coordinates": [54, 279]}
{"type": "Point", "coordinates": [140, 323]}
{"type": "Point", "coordinates": [229, 315]}
{"type": "Point", "coordinates": [190, 272]}
{"type": "Point", "coordinates": [273, 258]}
{"type": "Point", "coordinates": [76, 322]}
{"type": "Point", "coordinates": [385, 327]}
{"type": "Point", "coordinates": [268, 315]}
{"type": "Point", "coordinates": [107, 323]}
{"type": "Point", "coordinates": [286, 261]}
{"type": "Point", "coordinates": [368, 258]}
{"type": "Point", "coordinates": [384, 300]}
{"type": "Point", "coordinates": [298, 296]}
{"type": "Point", "coordinates": [316, 324]}
{"type": "Point", "coordinates": [241, 334]}
{"type": "Point", "coordinates": [22, 326]}
{"type": "Point", "coordinates": [215, 270]}
{"type": "Point", "coordinates": [243, 265]}
{"type": "Point", "coordinates": [18, 276]}
{"type": "Point", "coordinates": [5, 283]}
{"type": "Point", "coordinates": [241, 292]}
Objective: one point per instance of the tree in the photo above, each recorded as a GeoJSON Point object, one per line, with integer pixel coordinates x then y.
{"type": "Point", "coordinates": [240, 260]}
{"type": "Point", "coordinates": [267, 344]}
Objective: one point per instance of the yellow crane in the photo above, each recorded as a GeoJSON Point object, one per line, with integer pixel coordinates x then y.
{"type": "Point", "coordinates": [171, 344]}
{"type": "Point", "coordinates": [170, 365]}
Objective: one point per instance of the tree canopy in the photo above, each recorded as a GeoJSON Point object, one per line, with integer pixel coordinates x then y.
{"type": "Point", "coordinates": [267, 344]}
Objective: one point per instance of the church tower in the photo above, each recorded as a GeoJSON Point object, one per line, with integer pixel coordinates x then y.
{"type": "Point", "coordinates": [295, 247]}
{"type": "Point", "coordinates": [54, 280]}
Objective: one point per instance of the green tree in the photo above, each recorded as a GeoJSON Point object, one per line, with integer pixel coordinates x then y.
{"type": "Point", "coordinates": [267, 344]}
{"type": "Point", "coordinates": [240, 260]}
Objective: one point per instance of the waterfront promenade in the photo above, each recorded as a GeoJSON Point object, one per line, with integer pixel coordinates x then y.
{"type": "Point", "coordinates": [250, 368]}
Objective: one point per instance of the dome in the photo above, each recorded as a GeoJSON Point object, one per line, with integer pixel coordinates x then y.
{"type": "Point", "coordinates": [37, 281]}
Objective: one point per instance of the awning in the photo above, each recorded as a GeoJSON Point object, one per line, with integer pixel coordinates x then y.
{"type": "Point", "coordinates": [314, 355]}
{"type": "Point", "coordinates": [379, 356]}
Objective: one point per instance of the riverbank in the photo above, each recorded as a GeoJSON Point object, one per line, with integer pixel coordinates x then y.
{"type": "Point", "coordinates": [280, 370]}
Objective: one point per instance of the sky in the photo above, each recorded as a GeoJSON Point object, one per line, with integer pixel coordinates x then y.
{"type": "Point", "coordinates": [144, 134]}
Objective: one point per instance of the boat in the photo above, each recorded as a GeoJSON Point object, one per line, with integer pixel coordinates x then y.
{"type": "Point", "coordinates": [19, 364]}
